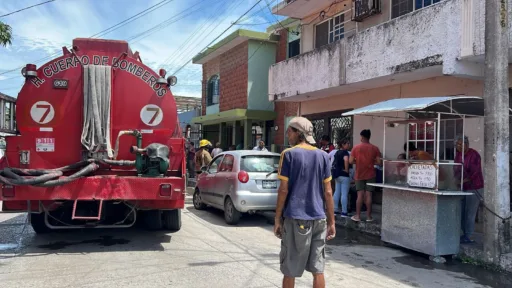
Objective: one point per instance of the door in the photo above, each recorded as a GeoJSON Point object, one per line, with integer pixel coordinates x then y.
{"type": "Point", "coordinates": [210, 180]}
{"type": "Point", "coordinates": [225, 179]}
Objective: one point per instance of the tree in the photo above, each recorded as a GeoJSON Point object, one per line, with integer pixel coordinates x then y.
{"type": "Point", "coordinates": [5, 34]}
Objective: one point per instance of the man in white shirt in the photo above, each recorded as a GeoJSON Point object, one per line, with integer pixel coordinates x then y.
{"type": "Point", "coordinates": [217, 150]}
{"type": "Point", "coordinates": [260, 147]}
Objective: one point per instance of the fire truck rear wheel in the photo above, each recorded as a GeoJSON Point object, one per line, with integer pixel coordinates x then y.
{"type": "Point", "coordinates": [172, 219]}
{"type": "Point", "coordinates": [153, 219]}
{"type": "Point", "coordinates": [38, 224]}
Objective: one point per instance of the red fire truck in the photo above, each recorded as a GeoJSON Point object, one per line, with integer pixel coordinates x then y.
{"type": "Point", "coordinates": [98, 143]}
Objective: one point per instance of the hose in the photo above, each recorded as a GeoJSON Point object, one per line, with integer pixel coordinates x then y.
{"type": "Point", "coordinates": [121, 133]}
{"type": "Point", "coordinates": [47, 177]}
{"type": "Point", "coordinates": [18, 180]}
{"type": "Point", "coordinates": [83, 172]}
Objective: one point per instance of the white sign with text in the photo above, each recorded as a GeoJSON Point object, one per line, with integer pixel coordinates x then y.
{"type": "Point", "coordinates": [421, 175]}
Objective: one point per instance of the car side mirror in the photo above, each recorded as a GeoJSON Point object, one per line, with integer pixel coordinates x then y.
{"type": "Point", "coordinates": [204, 168]}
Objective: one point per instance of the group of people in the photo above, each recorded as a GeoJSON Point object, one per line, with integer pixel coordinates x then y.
{"type": "Point", "coordinates": [342, 159]}
{"type": "Point", "coordinates": [306, 204]}
{"type": "Point", "coordinates": [196, 159]}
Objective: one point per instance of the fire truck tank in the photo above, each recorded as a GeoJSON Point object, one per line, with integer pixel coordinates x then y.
{"type": "Point", "coordinates": [52, 107]}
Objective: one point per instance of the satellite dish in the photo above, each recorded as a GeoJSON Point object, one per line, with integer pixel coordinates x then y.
{"type": "Point", "coordinates": [24, 71]}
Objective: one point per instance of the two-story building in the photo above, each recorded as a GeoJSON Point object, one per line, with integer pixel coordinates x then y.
{"type": "Point", "coordinates": [236, 108]}
{"type": "Point", "coordinates": [344, 55]}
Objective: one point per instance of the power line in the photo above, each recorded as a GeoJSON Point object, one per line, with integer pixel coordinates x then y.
{"type": "Point", "coordinates": [183, 53]}
{"type": "Point", "coordinates": [254, 24]}
{"type": "Point", "coordinates": [220, 35]}
{"type": "Point", "coordinates": [132, 18]}
{"type": "Point", "coordinates": [257, 12]}
{"type": "Point", "coordinates": [99, 34]}
{"type": "Point", "coordinates": [164, 24]}
{"type": "Point", "coordinates": [280, 24]}
{"type": "Point", "coordinates": [13, 12]}
{"type": "Point", "coordinates": [192, 35]}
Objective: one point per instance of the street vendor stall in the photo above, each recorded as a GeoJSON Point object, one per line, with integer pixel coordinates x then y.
{"type": "Point", "coordinates": [421, 204]}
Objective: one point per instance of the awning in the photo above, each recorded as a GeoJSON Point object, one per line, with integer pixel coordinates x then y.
{"type": "Point", "coordinates": [463, 105]}
{"type": "Point", "coordinates": [235, 115]}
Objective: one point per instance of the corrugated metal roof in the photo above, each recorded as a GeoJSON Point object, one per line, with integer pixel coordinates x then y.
{"type": "Point", "coordinates": [470, 105]}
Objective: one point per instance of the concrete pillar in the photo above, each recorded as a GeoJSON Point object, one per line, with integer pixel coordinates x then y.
{"type": "Point", "coordinates": [11, 111]}
{"type": "Point", "coordinates": [223, 135]}
{"type": "Point", "coordinates": [496, 132]}
{"type": "Point", "coordinates": [2, 113]}
{"type": "Point", "coordinates": [248, 133]}
{"type": "Point", "coordinates": [237, 137]}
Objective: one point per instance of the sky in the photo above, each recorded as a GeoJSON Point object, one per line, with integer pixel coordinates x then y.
{"type": "Point", "coordinates": [167, 37]}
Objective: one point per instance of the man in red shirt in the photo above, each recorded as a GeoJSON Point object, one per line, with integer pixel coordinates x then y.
{"type": "Point", "coordinates": [365, 156]}
{"type": "Point", "coordinates": [473, 182]}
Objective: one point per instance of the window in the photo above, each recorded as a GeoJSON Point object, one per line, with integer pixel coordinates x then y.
{"type": "Point", "coordinates": [330, 31]}
{"type": "Point", "coordinates": [227, 163]}
{"type": "Point", "coordinates": [259, 163]}
{"type": "Point", "coordinates": [449, 130]}
{"type": "Point", "coordinates": [214, 165]}
{"type": "Point", "coordinates": [402, 7]}
{"type": "Point", "coordinates": [423, 136]}
{"type": "Point", "coordinates": [213, 91]}
{"type": "Point", "coordinates": [294, 48]}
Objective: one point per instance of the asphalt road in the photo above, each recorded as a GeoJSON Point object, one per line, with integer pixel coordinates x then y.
{"type": "Point", "coordinates": [208, 253]}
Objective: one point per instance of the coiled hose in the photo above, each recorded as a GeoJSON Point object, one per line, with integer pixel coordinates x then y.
{"type": "Point", "coordinates": [51, 177]}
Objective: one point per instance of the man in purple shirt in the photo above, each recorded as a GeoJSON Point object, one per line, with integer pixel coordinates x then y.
{"type": "Point", "coordinates": [305, 208]}
{"type": "Point", "coordinates": [473, 182]}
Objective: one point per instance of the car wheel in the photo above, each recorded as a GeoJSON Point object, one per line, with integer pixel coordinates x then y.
{"type": "Point", "coordinates": [231, 215]}
{"type": "Point", "coordinates": [196, 198]}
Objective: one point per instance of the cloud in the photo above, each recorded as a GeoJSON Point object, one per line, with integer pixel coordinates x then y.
{"type": "Point", "coordinates": [44, 30]}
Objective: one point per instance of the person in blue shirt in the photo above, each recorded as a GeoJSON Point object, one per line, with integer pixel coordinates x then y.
{"type": "Point", "coordinates": [302, 222]}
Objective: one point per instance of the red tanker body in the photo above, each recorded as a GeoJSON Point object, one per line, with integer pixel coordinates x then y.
{"type": "Point", "coordinates": [98, 143]}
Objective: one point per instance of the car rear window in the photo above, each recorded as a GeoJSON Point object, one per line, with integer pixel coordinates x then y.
{"type": "Point", "coordinates": [259, 163]}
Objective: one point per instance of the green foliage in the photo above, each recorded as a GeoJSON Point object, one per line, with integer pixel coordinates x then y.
{"type": "Point", "coordinates": [5, 34]}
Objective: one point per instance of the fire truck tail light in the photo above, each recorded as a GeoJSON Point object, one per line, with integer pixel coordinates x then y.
{"type": "Point", "coordinates": [165, 190]}
{"type": "Point", "coordinates": [8, 191]}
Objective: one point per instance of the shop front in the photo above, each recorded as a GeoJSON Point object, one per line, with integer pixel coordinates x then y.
{"type": "Point", "coordinates": [242, 128]}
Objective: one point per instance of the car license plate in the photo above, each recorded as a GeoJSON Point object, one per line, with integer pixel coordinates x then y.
{"type": "Point", "coordinates": [269, 184]}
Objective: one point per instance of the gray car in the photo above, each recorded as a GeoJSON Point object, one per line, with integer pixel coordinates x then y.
{"type": "Point", "coordinates": [239, 182]}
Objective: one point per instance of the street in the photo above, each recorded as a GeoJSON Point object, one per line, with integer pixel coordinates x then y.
{"type": "Point", "coordinates": [209, 253]}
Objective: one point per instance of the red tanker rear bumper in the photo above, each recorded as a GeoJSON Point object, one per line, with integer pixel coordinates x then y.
{"type": "Point", "coordinates": [147, 193]}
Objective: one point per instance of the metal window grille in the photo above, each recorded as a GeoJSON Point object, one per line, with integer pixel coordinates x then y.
{"type": "Point", "coordinates": [318, 128]}
{"type": "Point", "coordinates": [341, 128]}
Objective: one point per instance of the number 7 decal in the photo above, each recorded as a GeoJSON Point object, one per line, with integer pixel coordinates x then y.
{"type": "Point", "coordinates": [151, 115]}
{"type": "Point", "coordinates": [42, 112]}
{"type": "Point", "coordinates": [48, 108]}
{"type": "Point", "coordinates": [157, 112]}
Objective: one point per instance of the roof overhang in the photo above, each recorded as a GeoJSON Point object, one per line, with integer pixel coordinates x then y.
{"type": "Point", "coordinates": [458, 105]}
{"type": "Point", "coordinates": [234, 39]}
{"type": "Point", "coordinates": [286, 23]}
{"type": "Point", "coordinates": [235, 115]}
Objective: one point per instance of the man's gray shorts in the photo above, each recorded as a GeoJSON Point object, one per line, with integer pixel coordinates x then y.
{"type": "Point", "coordinates": [303, 246]}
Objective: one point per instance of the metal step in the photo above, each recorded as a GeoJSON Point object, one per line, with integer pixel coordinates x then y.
{"type": "Point", "coordinates": [78, 217]}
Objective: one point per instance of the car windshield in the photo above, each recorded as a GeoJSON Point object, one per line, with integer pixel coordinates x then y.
{"type": "Point", "coordinates": [259, 163]}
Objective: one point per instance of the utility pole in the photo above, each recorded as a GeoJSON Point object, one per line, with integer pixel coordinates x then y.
{"type": "Point", "coordinates": [496, 103]}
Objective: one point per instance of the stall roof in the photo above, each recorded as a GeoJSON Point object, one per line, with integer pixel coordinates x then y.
{"type": "Point", "coordinates": [463, 105]}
